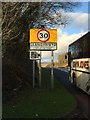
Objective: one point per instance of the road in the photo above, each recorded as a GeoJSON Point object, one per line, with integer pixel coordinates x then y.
{"type": "Point", "coordinates": [83, 100]}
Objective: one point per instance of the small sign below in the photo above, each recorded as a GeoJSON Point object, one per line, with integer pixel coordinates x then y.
{"type": "Point", "coordinates": [35, 55]}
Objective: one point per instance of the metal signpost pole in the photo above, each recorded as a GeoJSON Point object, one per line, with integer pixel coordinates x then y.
{"type": "Point", "coordinates": [52, 76]}
{"type": "Point", "coordinates": [40, 70]}
{"type": "Point", "coordinates": [44, 39]}
{"type": "Point", "coordinates": [33, 73]}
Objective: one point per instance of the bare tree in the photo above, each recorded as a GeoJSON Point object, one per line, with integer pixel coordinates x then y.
{"type": "Point", "coordinates": [44, 12]}
{"type": "Point", "coordinates": [17, 19]}
{"type": "Point", "coordinates": [12, 13]}
{"type": "Point", "coordinates": [54, 13]}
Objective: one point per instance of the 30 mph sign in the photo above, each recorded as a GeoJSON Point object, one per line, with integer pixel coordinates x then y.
{"type": "Point", "coordinates": [43, 35]}
{"type": "Point", "coordinates": [43, 39]}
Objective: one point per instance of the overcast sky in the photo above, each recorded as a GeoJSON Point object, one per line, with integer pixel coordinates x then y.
{"type": "Point", "coordinates": [77, 28]}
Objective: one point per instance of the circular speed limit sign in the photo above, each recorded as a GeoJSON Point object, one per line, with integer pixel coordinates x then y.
{"type": "Point", "coordinates": [43, 35]}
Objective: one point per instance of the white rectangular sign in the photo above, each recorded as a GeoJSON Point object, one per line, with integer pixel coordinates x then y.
{"type": "Point", "coordinates": [43, 46]}
{"type": "Point", "coordinates": [35, 55]}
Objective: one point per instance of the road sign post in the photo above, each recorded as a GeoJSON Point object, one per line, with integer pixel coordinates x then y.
{"type": "Point", "coordinates": [52, 65]}
{"type": "Point", "coordinates": [33, 73]}
{"type": "Point", "coordinates": [36, 55]}
{"type": "Point", "coordinates": [43, 40]}
{"type": "Point", "coordinates": [40, 71]}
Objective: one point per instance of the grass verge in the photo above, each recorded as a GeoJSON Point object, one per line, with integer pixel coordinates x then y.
{"type": "Point", "coordinates": [41, 102]}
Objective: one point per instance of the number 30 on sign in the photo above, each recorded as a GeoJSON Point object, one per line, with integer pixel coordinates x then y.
{"type": "Point", "coordinates": [43, 35]}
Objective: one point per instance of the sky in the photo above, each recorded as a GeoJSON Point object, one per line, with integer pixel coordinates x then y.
{"type": "Point", "coordinates": [77, 27]}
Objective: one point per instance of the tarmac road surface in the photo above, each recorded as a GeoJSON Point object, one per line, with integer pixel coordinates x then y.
{"type": "Point", "coordinates": [83, 100]}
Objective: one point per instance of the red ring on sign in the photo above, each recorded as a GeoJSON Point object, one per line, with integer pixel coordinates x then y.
{"type": "Point", "coordinates": [47, 32]}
